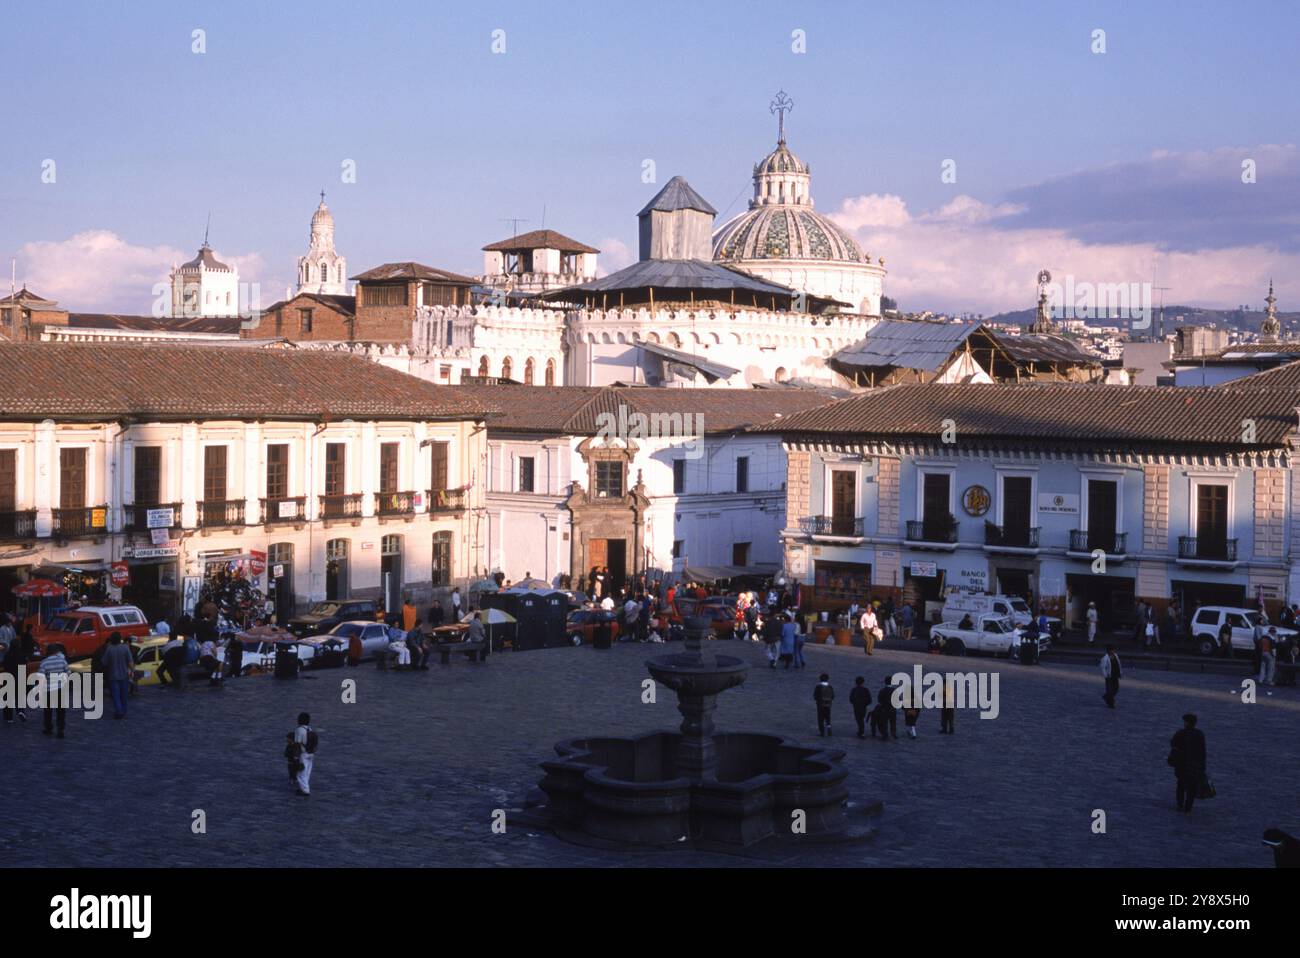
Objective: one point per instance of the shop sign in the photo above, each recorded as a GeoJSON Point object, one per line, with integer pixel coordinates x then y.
{"type": "Point", "coordinates": [160, 518]}
{"type": "Point", "coordinates": [160, 537]}
{"type": "Point", "coordinates": [1058, 504]}
{"type": "Point", "coordinates": [288, 509]}
{"type": "Point", "coordinates": [158, 552]}
{"type": "Point", "coordinates": [98, 518]}
{"type": "Point", "coordinates": [120, 575]}
{"type": "Point", "coordinates": [256, 563]}
{"type": "Point", "coordinates": [277, 571]}
{"type": "Point", "coordinates": [925, 570]}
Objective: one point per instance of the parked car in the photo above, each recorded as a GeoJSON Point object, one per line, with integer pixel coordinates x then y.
{"type": "Point", "coordinates": [583, 624]}
{"type": "Point", "coordinates": [363, 638]}
{"type": "Point", "coordinates": [324, 616]}
{"type": "Point", "coordinates": [993, 634]}
{"type": "Point", "coordinates": [147, 652]}
{"type": "Point", "coordinates": [82, 631]}
{"type": "Point", "coordinates": [1209, 619]}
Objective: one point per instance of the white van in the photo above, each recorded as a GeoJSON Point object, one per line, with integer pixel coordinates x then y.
{"type": "Point", "coordinates": [958, 605]}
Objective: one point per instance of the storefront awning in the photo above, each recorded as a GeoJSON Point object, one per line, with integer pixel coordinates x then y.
{"type": "Point", "coordinates": [715, 573]}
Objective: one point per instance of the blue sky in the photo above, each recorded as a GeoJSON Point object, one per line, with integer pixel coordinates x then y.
{"type": "Point", "coordinates": [1089, 161]}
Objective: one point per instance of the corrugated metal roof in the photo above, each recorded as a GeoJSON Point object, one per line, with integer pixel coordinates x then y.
{"type": "Point", "coordinates": [907, 344]}
{"type": "Point", "coordinates": [711, 370]}
{"type": "Point", "coordinates": [1044, 348]}
{"type": "Point", "coordinates": [675, 274]}
{"type": "Point", "coordinates": [678, 195]}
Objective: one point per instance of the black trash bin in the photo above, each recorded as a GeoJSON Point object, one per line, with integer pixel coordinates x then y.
{"type": "Point", "coordinates": [1029, 650]}
{"type": "Point", "coordinates": [286, 660]}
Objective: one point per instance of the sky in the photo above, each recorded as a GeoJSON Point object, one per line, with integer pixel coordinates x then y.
{"type": "Point", "coordinates": [1122, 165]}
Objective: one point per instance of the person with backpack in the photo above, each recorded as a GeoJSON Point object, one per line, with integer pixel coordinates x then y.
{"type": "Point", "coordinates": [301, 753]}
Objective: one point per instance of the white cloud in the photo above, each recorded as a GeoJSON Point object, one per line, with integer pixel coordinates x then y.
{"type": "Point", "coordinates": [98, 271]}
{"type": "Point", "coordinates": [614, 255]}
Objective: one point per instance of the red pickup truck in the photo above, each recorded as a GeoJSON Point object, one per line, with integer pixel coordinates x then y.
{"type": "Point", "coordinates": [82, 631]}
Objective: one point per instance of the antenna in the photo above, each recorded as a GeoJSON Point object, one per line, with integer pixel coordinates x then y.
{"type": "Point", "coordinates": [1161, 291]}
{"type": "Point", "coordinates": [514, 222]}
{"type": "Point", "coordinates": [207, 228]}
{"type": "Point", "coordinates": [543, 216]}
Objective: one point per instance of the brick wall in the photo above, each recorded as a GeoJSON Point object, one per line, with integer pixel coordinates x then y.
{"type": "Point", "coordinates": [1270, 513]}
{"type": "Point", "coordinates": [1155, 509]}
{"type": "Point", "coordinates": [888, 481]}
{"type": "Point", "coordinates": [327, 323]}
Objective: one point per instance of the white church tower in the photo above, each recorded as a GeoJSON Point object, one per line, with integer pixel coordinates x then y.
{"type": "Point", "coordinates": [322, 270]}
{"type": "Point", "coordinates": [204, 286]}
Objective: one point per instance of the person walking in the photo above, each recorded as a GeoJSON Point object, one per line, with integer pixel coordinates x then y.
{"type": "Point", "coordinates": [789, 635]}
{"type": "Point", "coordinates": [1092, 622]}
{"type": "Point", "coordinates": [1187, 756]}
{"type": "Point", "coordinates": [909, 620]}
{"type": "Point", "coordinates": [1267, 656]}
{"type": "Point", "coordinates": [860, 699]}
{"type": "Point", "coordinates": [948, 714]}
{"type": "Point", "coordinates": [771, 629]}
{"type": "Point", "coordinates": [455, 604]}
{"type": "Point", "coordinates": [870, 629]}
{"type": "Point", "coordinates": [799, 638]}
{"type": "Point", "coordinates": [885, 716]}
{"type": "Point", "coordinates": [886, 618]}
{"type": "Point", "coordinates": [301, 753]}
{"type": "Point", "coordinates": [910, 714]}
{"type": "Point", "coordinates": [1111, 672]}
{"type": "Point", "coordinates": [119, 666]}
{"type": "Point", "coordinates": [55, 669]}
{"type": "Point", "coordinates": [13, 658]}
{"type": "Point", "coordinates": [823, 695]}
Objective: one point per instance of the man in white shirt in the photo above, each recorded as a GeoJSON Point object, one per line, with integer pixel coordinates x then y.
{"type": "Point", "coordinates": [302, 738]}
{"type": "Point", "coordinates": [607, 603]}
{"type": "Point", "coordinates": [870, 629]}
{"type": "Point", "coordinates": [1092, 622]}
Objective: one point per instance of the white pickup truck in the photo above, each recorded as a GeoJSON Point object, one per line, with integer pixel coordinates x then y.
{"type": "Point", "coordinates": [958, 605]}
{"type": "Point", "coordinates": [994, 634]}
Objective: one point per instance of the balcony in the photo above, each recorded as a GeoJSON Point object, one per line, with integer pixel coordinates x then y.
{"type": "Point", "coordinates": [284, 509]}
{"type": "Point", "coordinates": [344, 507]}
{"type": "Point", "coordinates": [1198, 550]}
{"type": "Point", "coordinates": [1083, 544]}
{"type": "Point", "coordinates": [831, 527]}
{"type": "Point", "coordinates": [388, 504]}
{"type": "Point", "coordinates": [1018, 540]}
{"type": "Point", "coordinates": [221, 513]}
{"type": "Point", "coordinates": [18, 524]}
{"type": "Point", "coordinates": [446, 501]}
{"type": "Point", "coordinates": [136, 517]}
{"type": "Point", "coordinates": [939, 534]}
{"type": "Point", "coordinates": [79, 522]}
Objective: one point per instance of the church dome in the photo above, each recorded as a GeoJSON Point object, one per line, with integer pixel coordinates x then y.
{"type": "Point", "coordinates": [781, 160]}
{"type": "Point", "coordinates": [786, 231]}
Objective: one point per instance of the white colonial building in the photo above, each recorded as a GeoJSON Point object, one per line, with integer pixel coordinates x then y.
{"type": "Point", "coordinates": [642, 481]}
{"type": "Point", "coordinates": [318, 475]}
{"type": "Point", "coordinates": [204, 286]}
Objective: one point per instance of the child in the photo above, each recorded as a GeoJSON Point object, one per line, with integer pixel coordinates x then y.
{"type": "Point", "coordinates": [910, 715]}
{"type": "Point", "coordinates": [823, 695]}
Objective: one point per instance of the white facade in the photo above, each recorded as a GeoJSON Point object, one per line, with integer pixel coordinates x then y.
{"type": "Point", "coordinates": [546, 269]}
{"type": "Point", "coordinates": [205, 287]}
{"type": "Point", "coordinates": [423, 540]}
{"type": "Point", "coordinates": [530, 532]}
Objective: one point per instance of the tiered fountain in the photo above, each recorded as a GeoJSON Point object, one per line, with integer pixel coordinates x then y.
{"type": "Point", "coordinates": [711, 788]}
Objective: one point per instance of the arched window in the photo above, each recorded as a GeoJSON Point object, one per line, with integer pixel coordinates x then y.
{"type": "Point", "coordinates": [550, 372]}
{"type": "Point", "coordinates": [506, 368]}
{"type": "Point", "coordinates": [528, 372]}
{"type": "Point", "coordinates": [324, 273]}
{"type": "Point", "coordinates": [483, 367]}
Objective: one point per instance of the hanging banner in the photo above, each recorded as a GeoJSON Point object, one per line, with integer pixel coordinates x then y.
{"type": "Point", "coordinates": [120, 574]}
{"type": "Point", "coordinates": [256, 563]}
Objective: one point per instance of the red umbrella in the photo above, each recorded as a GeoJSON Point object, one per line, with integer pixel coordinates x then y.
{"type": "Point", "coordinates": [39, 587]}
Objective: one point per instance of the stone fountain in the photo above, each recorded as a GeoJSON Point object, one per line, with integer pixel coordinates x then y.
{"type": "Point", "coordinates": [697, 785]}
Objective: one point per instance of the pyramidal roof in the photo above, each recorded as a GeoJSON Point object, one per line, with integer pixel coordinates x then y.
{"type": "Point", "coordinates": [678, 195]}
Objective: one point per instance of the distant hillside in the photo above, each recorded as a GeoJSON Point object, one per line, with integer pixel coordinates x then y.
{"type": "Point", "coordinates": [1175, 316]}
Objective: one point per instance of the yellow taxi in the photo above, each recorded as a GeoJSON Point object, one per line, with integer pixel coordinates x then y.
{"type": "Point", "coordinates": [148, 656]}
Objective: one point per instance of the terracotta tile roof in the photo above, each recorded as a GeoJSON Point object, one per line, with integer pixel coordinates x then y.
{"type": "Point", "coordinates": [541, 239]}
{"type": "Point", "coordinates": [396, 271]}
{"type": "Point", "coordinates": [1071, 413]}
{"type": "Point", "coordinates": [575, 410]}
{"type": "Point", "coordinates": [99, 382]}
{"type": "Point", "coordinates": [195, 324]}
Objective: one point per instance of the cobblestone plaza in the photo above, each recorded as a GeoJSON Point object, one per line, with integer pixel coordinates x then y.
{"type": "Point", "coordinates": [411, 773]}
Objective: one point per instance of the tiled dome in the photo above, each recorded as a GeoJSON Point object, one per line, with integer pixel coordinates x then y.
{"type": "Point", "coordinates": [784, 232]}
{"type": "Point", "coordinates": [781, 160]}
